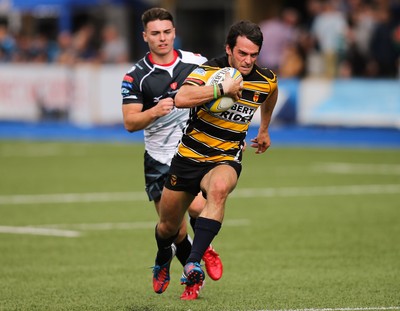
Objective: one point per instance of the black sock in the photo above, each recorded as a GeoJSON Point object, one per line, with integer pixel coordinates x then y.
{"type": "Point", "coordinates": [206, 230]}
{"type": "Point", "coordinates": [192, 222]}
{"type": "Point", "coordinates": [183, 250]}
{"type": "Point", "coordinates": [164, 252]}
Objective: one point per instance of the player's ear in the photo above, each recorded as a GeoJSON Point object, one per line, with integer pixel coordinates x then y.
{"type": "Point", "coordinates": [228, 50]}
{"type": "Point", "coordinates": [144, 36]}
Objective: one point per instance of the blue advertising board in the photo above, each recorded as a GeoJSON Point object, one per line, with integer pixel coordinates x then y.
{"type": "Point", "coordinates": [355, 102]}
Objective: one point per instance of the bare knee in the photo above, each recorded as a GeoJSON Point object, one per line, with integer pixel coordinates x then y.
{"type": "Point", "coordinates": [166, 229]}
{"type": "Point", "coordinates": [219, 190]}
{"type": "Point", "coordinates": [219, 182]}
{"type": "Point", "coordinates": [197, 206]}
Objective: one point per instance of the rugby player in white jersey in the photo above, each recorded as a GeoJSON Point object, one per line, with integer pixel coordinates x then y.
{"type": "Point", "coordinates": [148, 92]}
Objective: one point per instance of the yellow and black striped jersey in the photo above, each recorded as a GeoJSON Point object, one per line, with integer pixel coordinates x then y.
{"type": "Point", "coordinates": [218, 137]}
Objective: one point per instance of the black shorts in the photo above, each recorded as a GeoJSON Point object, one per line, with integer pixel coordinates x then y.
{"type": "Point", "coordinates": [155, 174]}
{"type": "Point", "coordinates": [186, 175]}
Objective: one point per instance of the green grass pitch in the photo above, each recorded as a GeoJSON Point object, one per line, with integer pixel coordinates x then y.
{"type": "Point", "coordinates": [306, 228]}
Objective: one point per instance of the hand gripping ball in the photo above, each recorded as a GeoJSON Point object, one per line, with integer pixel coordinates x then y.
{"type": "Point", "coordinates": [222, 103]}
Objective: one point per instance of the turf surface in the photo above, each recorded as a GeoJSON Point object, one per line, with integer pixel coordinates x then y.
{"type": "Point", "coordinates": [306, 228]}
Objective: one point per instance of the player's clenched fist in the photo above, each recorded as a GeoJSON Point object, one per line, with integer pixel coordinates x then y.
{"type": "Point", "coordinates": [163, 107]}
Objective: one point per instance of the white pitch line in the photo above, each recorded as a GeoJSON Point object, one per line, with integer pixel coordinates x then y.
{"type": "Point", "coordinates": [358, 168]}
{"type": "Point", "coordinates": [238, 193]}
{"type": "Point", "coordinates": [316, 191]}
{"type": "Point", "coordinates": [72, 198]}
{"type": "Point", "coordinates": [39, 231]}
{"type": "Point", "coordinates": [131, 225]}
{"type": "Point", "coordinates": [338, 309]}
{"type": "Point", "coordinates": [59, 229]}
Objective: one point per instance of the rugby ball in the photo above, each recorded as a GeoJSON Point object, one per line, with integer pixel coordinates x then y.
{"type": "Point", "coordinates": [222, 103]}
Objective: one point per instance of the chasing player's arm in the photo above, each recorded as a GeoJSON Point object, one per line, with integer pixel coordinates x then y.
{"type": "Point", "coordinates": [190, 96]}
{"type": "Point", "coordinates": [263, 140]}
{"type": "Point", "coordinates": [135, 119]}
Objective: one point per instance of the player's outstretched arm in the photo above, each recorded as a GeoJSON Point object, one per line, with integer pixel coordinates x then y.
{"type": "Point", "coordinates": [263, 141]}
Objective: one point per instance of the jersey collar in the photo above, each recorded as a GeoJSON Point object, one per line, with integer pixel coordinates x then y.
{"type": "Point", "coordinates": [176, 55]}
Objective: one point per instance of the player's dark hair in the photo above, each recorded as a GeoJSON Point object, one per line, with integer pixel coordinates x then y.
{"type": "Point", "coordinates": [246, 29]}
{"type": "Point", "coordinates": [154, 14]}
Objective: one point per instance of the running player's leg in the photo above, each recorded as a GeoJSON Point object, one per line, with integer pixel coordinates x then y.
{"type": "Point", "coordinates": [156, 174]}
{"type": "Point", "coordinates": [217, 184]}
{"type": "Point", "coordinates": [211, 258]}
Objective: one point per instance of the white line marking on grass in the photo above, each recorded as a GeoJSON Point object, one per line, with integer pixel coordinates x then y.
{"type": "Point", "coordinates": [132, 225]}
{"type": "Point", "coordinates": [26, 151]}
{"type": "Point", "coordinates": [238, 193]}
{"type": "Point", "coordinates": [40, 150]}
{"type": "Point", "coordinates": [358, 168]}
{"type": "Point", "coordinates": [316, 191]}
{"type": "Point", "coordinates": [58, 229]}
{"type": "Point", "coordinates": [72, 198]}
{"type": "Point", "coordinates": [39, 231]}
{"type": "Point", "coordinates": [337, 309]}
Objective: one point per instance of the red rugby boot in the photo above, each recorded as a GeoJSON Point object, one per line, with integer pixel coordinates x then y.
{"type": "Point", "coordinates": [213, 263]}
{"type": "Point", "coordinates": [161, 277]}
{"type": "Point", "coordinates": [192, 292]}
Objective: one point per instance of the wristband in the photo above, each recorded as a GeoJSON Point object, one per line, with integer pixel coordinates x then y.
{"type": "Point", "coordinates": [221, 89]}
{"type": "Point", "coordinates": [215, 91]}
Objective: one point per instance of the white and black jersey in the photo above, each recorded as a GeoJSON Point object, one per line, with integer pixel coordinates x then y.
{"type": "Point", "coordinates": [147, 83]}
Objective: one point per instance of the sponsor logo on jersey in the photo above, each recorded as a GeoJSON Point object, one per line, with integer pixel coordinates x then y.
{"type": "Point", "coordinates": [157, 99]}
{"type": "Point", "coordinates": [130, 97]}
{"type": "Point", "coordinates": [128, 78]}
{"type": "Point", "coordinates": [239, 114]}
{"type": "Point", "coordinates": [132, 69]}
{"type": "Point", "coordinates": [256, 96]}
{"type": "Point", "coordinates": [126, 85]}
{"type": "Point", "coordinates": [166, 95]}
{"type": "Point", "coordinates": [200, 71]}
{"type": "Point", "coordinates": [124, 91]}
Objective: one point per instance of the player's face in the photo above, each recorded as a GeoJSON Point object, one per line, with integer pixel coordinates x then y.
{"type": "Point", "coordinates": [243, 56]}
{"type": "Point", "coordinates": [160, 36]}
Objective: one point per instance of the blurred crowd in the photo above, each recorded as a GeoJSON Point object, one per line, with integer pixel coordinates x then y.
{"type": "Point", "coordinates": [330, 38]}
{"type": "Point", "coordinates": [334, 38]}
{"type": "Point", "coordinates": [84, 45]}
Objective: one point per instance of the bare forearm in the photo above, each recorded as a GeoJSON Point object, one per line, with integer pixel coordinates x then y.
{"type": "Point", "coordinates": [267, 109]}
{"type": "Point", "coordinates": [135, 119]}
{"type": "Point", "coordinates": [138, 121]}
{"type": "Point", "coordinates": [190, 96]}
